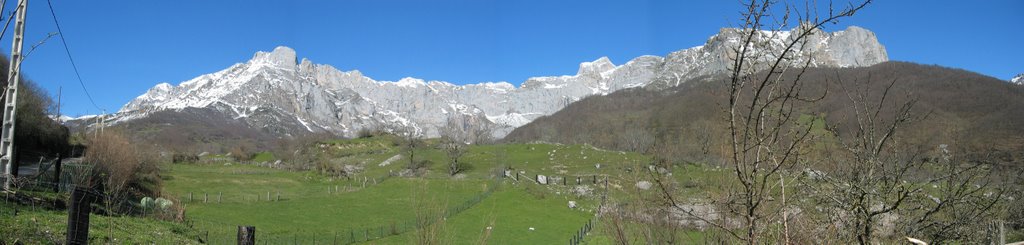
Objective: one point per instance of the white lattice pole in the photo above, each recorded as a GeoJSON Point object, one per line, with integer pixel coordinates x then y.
{"type": "Point", "coordinates": [11, 96]}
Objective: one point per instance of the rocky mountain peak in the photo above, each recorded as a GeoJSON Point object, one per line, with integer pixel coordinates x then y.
{"type": "Point", "coordinates": [162, 87]}
{"type": "Point", "coordinates": [282, 57]}
{"type": "Point", "coordinates": [277, 93]}
{"type": "Point", "coordinates": [596, 67]}
{"type": "Point", "coordinates": [1019, 79]}
{"type": "Point", "coordinates": [856, 46]}
{"type": "Point", "coordinates": [410, 82]}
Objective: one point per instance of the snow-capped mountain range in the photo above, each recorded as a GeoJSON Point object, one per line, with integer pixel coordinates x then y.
{"type": "Point", "coordinates": [278, 93]}
{"type": "Point", "coordinates": [1019, 79]}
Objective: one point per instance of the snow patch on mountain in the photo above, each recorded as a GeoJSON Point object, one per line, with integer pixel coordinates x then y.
{"type": "Point", "coordinates": [275, 90]}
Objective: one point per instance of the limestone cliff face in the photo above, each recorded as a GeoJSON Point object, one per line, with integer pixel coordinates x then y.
{"type": "Point", "coordinates": [278, 93]}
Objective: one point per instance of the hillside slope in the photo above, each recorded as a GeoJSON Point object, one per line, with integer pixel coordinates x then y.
{"type": "Point", "coordinates": [687, 121]}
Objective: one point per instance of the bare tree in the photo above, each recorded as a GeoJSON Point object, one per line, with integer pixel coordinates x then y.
{"type": "Point", "coordinates": [765, 88]}
{"type": "Point", "coordinates": [482, 133]}
{"type": "Point", "coordinates": [702, 135]}
{"type": "Point", "coordinates": [967, 192]}
{"type": "Point", "coordinates": [456, 136]}
{"type": "Point", "coordinates": [409, 139]}
{"type": "Point", "coordinates": [637, 140]}
{"type": "Point", "coordinates": [868, 179]}
{"type": "Point", "coordinates": [877, 183]}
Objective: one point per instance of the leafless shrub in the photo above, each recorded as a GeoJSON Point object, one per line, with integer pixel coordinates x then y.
{"type": "Point", "coordinates": [241, 152]}
{"type": "Point", "coordinates": [122, 168]}
{"type": "Point", "coordinates": [430, 216]}
{"type": "Point", "coordinates": [301, 152]}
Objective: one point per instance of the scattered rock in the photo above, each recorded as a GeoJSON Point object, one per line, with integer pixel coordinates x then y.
{"type": "Point", "coordinates": [663, 171]}
{"type": "Point", "coordinates": [541, 179]}
{"type": "Point", "coordinates": [405, 172]}
{"type": "Point", "coordinates": [644, 185]}
{"type": "Point", "coordinates": [390, 160]}
{"type": "Point", "coordinates": [572, 204]}
{"type": "Point", "coordinates": [352, 168]}
{"type": "Point", "coordinates": [582, 190]}
{"type": "Point", "coordinates": [814, 174]}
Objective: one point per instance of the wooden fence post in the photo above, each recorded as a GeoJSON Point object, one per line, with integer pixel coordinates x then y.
{"type": "Point", "coordinates": [1002, 232]}
{"type": "Point", "coordinates": [56, 174]}
{"type": "Point", "coordinates": [246, 235]}
{"type": "Point", "coordinates": [78, 216]}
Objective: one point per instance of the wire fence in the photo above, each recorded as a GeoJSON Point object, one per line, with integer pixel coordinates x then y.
{"type": "Point", "coordinates": [583, 231]}
{"type": "Point", "coordinates": [226, 233]}
{"type": "Point", "coordinates": [223, 233]}
{"type": "Point", "coordinates": [211, 197]}
{"type": "Point", "coordinates": [521, 175]}
{"type": "Point", "coordinates": [37, 199]}
{"type": "Point", "coordinates": [343, 186]}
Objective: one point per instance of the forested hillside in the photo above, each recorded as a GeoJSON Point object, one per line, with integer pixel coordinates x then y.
{"type": "Point", "coordinates": [687, 122]}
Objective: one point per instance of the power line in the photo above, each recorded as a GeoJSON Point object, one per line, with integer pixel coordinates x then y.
{"type": "Point", "coordinates": [9, 18]}
{"type": "Point", "coordinates": [68, 51]}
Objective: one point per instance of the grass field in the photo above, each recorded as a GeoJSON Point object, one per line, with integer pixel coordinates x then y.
{"type": "Point", "coordinates": [510, 214]}
{"type": "Point", "coordinates": [40, 225]}
{"type": "Point", "coordinates": [309, 208]}
{"type": "Point", "coordinates": [305, 206]}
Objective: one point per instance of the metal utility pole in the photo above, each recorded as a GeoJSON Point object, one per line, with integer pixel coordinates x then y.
{"type": "Point", "coordinates": [11, 96]}
{"type": "Point", "coordinates": [103, 122]}
{"type": "Point", "coordinates": [59, 91]}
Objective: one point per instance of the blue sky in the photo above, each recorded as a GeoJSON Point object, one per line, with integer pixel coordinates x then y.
{"type": "Point", "coordinates": [123, 48]}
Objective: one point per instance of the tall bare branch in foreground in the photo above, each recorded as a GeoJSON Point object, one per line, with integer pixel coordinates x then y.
{"type": "Point", "coordinates": [765, 88]}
